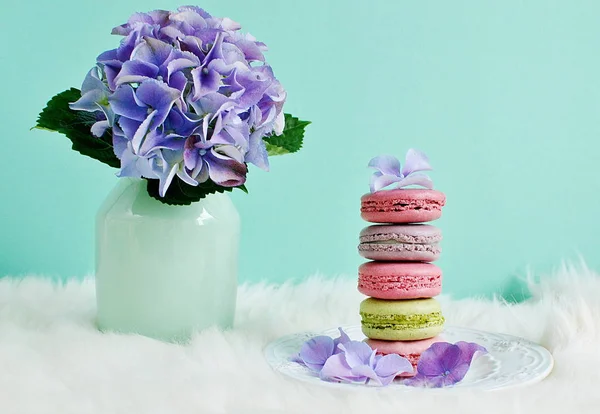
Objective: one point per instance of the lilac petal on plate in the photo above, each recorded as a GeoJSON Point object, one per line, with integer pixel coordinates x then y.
{"type": "Point", "coordinates": [430, 360]}
{"type": "Point", "coordinates": [356, 353]}
{"type": "Point", "coordinates": [315, 352]}
{"type": "Point", "coordinates": [415, 161]}
{"type": "Point", "coordinates": [416, 179]}
{"type": "Point", "coordinates": [386, 164]}
{"type": "Point", "coordinates": [343, 338]}
{"type": "Point", "coordinates": [380, 181]}
{"type": "Point", "coordinates": [469, 349]}
{"type": "Point", "coordinates": [366, 371]}
{"type": "Point", "coordinates": [392, 365]}
{"type": "Point", "coordinates": [336, 369]}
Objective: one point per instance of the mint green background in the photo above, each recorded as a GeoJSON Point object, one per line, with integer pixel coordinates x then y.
{"type": "Point", "coordinates": [503, 96]}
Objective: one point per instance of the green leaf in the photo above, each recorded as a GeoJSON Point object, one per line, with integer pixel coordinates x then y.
{"type": "Point", "coordinates": [243, 188]}
{"type": "Point", "coordinates": [181, 194]}
{"type": "Point", "coordinates": [57, 116]}
{"type": "Point", "coordinates": [290, 140]}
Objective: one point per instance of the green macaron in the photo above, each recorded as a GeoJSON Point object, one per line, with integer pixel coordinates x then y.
{"type": "Point", "coordinates": [401, 320]}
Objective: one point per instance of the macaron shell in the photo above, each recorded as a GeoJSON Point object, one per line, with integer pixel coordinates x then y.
{"type": "Point", "coordinates": [402, 347]}
{"type": "Point", "coordinates": [410, 350]}
{"type": "Point", "coordinates": [402, 206]}
{"type": "Point", "coordinates": [401, 320]}
{"type": "Point", "coordinates": [400, 242]}
{"type": "Point", "coordinates": [403, 280]}
{"type": "Point", "coordinates": [406, 233]}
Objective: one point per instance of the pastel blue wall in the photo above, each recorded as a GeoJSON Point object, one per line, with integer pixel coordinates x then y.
{"type": "Point", "coordinates": [503, 96]}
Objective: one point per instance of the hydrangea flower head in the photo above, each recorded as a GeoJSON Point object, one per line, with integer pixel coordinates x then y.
{"type": "Point", "coordinates": [185, 95]}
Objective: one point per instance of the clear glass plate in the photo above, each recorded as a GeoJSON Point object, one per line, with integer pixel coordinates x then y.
{"type": "Point", "coordinates": [511, 361]}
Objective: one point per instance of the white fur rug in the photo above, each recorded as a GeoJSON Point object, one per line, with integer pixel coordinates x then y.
{"type": "Point", "coordinates": [52, 360]}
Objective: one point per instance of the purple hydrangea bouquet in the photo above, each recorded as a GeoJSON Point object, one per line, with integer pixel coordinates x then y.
{"type": "Point", "coordinates": [186, 101]}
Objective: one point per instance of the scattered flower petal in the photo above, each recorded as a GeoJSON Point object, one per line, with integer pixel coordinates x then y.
{"type": "Point", "coordinates": [444, 364]}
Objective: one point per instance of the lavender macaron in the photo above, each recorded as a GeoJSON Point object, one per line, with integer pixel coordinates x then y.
{"type": "Point", "coordinates": [400, 242]}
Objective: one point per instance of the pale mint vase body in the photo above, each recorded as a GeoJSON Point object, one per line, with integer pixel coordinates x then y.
{"type": "Point", "coordinates": [165, 271]}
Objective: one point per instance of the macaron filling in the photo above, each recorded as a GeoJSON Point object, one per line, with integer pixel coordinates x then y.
{"type": "Point", "coordinates": [401, 322]}
{"type": "Point", "coordinates": [394, 246]}
{"type": "Point", "coordinates": [401, 205]}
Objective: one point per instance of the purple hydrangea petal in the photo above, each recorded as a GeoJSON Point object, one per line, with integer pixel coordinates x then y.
{"type": "Point", "coordinates": [225, 171]}
{"type": "Point", "coordinates": [165, 178]}
{"type": "Point", "coordinates": [315, 352]}
{"type": "Point", "coordinates": [257, 151]}
{"type": "Point", "coordinates": [432, 359]}
{"type": "Point", "coordinates": [205, 81]}
{"type": "Point", "coordinates": [157, 95]}
{"type": "Point", "coordinates": [119, 143]}
{"type": "Point", "coordinates": [153, 51]}
{"type": "Point", "coordinates": [342, 339]}
{"type": "Point", "coordinates": [136, 71]}
{"type": "Point", "coordinates": [88, 101]}
{"type": "Point", "coordinates": [128, 126]}
{"type": "Point", "coordinates": [380, 181]}
{"type": "Point", "coordinates": [188, 60]}
{"type": "Point", "coordinates": [366, 371]}
{"type": "Point", "coordinates": [123, 103]}
{"type": "Point", "coordinates": [444, 364]}
{"type": "Point", "coordinates": [336, 369]}
{"type": "Point", "coordinates": [157, 140]}
{"type": "Point", "coordinates": [140, 133]}
{"type": "Point", "coordinates": [386, 165]}
{"type": "Point", "coordinates": [415, 161]}
{"type": "Point", "coordinates": [356, 353]}
{"type": "Point", "coordinates": [391, 365]}
{"type": "Point", "coordinates": [99, 128]}
{"type": "Point", "coordinates": [248, 45]}
{"type": "Point", "coordinates": [92, 82]}
{"type": "Point", "coordinates": [469, 349]}
{"type": "Point", "coordinates": [416, 179]}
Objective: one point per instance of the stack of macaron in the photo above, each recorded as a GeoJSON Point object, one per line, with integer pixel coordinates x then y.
{"type": "Point", "coordinates": [401, 316]}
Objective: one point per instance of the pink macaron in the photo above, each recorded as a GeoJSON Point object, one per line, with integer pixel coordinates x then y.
{"type": "Point", "coordinates": [410, 350]}
{"type": "Point", "coordinates": [399, 280]}
{"type": "Point", "coordinates": [400, 242]}
{"type": "Point", "coordinates": [409, 205]}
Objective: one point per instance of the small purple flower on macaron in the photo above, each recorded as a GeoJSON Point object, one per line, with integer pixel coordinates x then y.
{"type": "Point", "coordinates": [444, 364]}
{"type": "Point", "coordinates": [389, 171]}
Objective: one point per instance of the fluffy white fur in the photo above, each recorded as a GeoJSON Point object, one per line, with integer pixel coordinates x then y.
{"type": "Point", "coordinates": [52, 360]}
